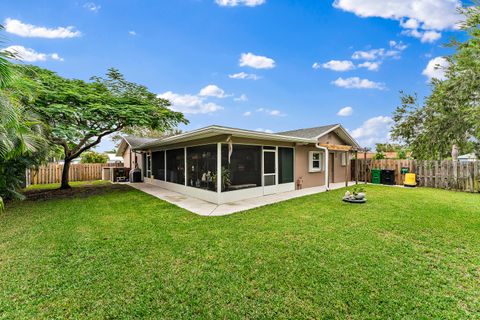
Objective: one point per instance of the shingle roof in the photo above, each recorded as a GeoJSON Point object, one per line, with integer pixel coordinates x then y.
{"type": "Point", "coordinates": [135, 142]}
{"type": "Point", "coordinates": [308, 133]}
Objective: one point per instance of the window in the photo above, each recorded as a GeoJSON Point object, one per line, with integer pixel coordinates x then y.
{"type": "Point", "coordinates": [316, 161]}
{"type": "Point", "coordinates": [285, 165]}
{"type": "Point", "coordinates": [202, 167]}
{"type": "Point", "coordinates": [158, 165]}
{"type": "Point", "coordinates": [245, 167]}
{"type": "Point", "coordinates": [344, 159]}
{"type": "Point", "coordinates": [176, 166]}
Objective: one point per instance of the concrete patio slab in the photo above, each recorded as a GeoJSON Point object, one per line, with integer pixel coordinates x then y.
{"type": "Point", "coordinates": [205, 208]}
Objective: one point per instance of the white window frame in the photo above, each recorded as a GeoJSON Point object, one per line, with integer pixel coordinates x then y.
{"type": "Point", "coordinates": [321, 161]}
{"type": "Point", "coordinates": [344, 159]}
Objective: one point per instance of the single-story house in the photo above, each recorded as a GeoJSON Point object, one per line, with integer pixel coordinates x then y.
{"type": "Point", "coordinates": [221, 164]}
{"type": "Point", "coordinates": [125, 150]}
{"type": "Point", "coordinates": [469, 157]}
{"type": "Point", "coordinates": [113, 158]}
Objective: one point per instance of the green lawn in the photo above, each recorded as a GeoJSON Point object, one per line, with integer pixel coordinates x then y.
{"type": "Point", "coordinates": [407, 253]}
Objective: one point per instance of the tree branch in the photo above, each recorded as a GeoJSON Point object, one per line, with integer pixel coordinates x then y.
{"type": "Point", "coordinates": [97, 141]}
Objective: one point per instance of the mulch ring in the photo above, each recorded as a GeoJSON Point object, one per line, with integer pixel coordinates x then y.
{"type": "Point", "coordinates": [75, 192]}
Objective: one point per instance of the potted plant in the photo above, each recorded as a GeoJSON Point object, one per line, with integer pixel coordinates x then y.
{"type": "Point", "coordinates": [225, 178]}
{"type": "Point", "coordinates": [359, 193]}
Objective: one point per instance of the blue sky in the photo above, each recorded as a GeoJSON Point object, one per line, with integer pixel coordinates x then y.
{"type": "Point", "coordinates": [254, 64]}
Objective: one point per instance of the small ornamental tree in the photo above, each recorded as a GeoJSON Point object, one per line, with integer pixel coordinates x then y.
{"type": "Point", "coordinates": [79, 114]}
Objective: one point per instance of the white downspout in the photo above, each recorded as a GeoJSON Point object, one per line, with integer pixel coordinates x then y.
{"type": "Point", "coordinates": [327, 181]}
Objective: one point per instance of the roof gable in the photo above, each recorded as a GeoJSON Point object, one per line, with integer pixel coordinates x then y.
{"type": "Point", "coordinates": [309, 133]}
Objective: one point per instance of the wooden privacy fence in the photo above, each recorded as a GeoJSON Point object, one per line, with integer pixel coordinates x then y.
{"type": "Point", "coordinates": [52, 173]}
{"type": "Point", "coordinates": [446, 174]}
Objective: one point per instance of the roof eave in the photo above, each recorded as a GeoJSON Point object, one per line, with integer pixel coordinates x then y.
{"type": "Point", "coordinates": [339, 126]}
{"type": "Point", "coordinates": [215, 130]}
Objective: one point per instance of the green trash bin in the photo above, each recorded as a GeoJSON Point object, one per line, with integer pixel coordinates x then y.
{"type": "Point", "coordinates": [376, 176]}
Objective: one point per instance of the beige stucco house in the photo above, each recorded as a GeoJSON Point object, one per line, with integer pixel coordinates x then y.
{"type": "Point", "coordinates": [252, 163]}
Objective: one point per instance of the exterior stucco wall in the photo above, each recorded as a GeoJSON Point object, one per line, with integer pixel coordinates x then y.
{"type": "Point", "coordinates": [136, 158]}
{"type": "Point", "coordinates": [310, 179]}
{"type": "Point", "coordinates": [126, 157]}
{"type": "Point", "coordinates": [314, 179]}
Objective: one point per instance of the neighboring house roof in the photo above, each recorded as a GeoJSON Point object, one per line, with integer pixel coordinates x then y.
{"type": "Point", "coordinates": [215, 130]}
{"type": "Point", "coordinates": [132, 142]}
{"type": "Point", "coordinates": [112, 157]}
{"type": "Point", "coordinates": [468, 156]}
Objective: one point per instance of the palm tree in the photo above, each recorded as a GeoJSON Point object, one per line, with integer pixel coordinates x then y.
{"type": "Point", "coordinates": [5, 65]}
{"type": "Point", "coordinates": [21, 139]}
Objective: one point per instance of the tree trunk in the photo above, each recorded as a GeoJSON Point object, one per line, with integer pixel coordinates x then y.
{"type": "Point", "coordinates": [66, 167]}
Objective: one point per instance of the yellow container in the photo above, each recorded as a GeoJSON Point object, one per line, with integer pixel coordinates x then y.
{"type": "Point", "coordinates": [410, 180]}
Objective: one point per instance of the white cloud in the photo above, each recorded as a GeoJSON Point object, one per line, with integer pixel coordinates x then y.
{"type": "Point", "coordinates": [372, 66]}
{"type": "Point", "coordinates": [212, 91]}
{"type": "Point", "coordinates": [424, 36]}
{"type": "Point", "coordinates": [244, 76]}
{"type": "Point", "coordinates": [234, 3]}
{"type": "Point", "coordinates": [410, 24]}
{"type": "Point", "coordinates": [436, 68]}
{"type": "Point", "coordinates": [345, 112]}
{"type": "Point", "coordinates": [397, 45]}
{"type": "Point", "coordinates": [190, 104]}
{"type": "Point", "coordinates": [375, 54]}
{"type": "Point", "coordinates": [21, 29]}
{"type": "Point", "coordinates": [242, 98]}
{"type": "Point", "coordinates": [374, 130]}
{"type": "Point", "coordinates": [423, 15]}
{"type": "Point", "coordinates": [92, 7]}
{"type": "Point", "coordinates": [247, 113]}
{"type": "Point", "coordinates": [132, 33]}
{"type": "Point", "coordinates": [30, 55]}
{"type": "Point", "coordinates": [273, 113]}
{"type": "Point", "coordinates": [337, 65]}
{"type": "Point", "coordinates": [316, 65]}
{"type": "Point", "coordinates": [264, 130]}
{"type": "Point", "coordinates": [257, 62]}
{"type": "Point", "coordinates": [357, 83]}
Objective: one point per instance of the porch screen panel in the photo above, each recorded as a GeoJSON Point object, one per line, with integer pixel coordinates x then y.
{"type": "Point", "coordinates": [285, 165]}
{"type": "Point", "coordinates": [202, 167]}
{"type": "Point", "coordinates": [176, 166]}
{"type": "Point", "coordinates": [158, 165]}
{"type": "Point", "coordinates": [245, 167]}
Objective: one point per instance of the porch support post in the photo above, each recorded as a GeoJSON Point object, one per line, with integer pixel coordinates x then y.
{"type": "Point", "coordinates": [276, 166]}
{"type": "Point", "coordinates": [185, 163]}
{"type": "Point", "coordinates": [346, 168]}
{"type": "Point", "coordinates": [219, 167]}
{"type": "Point", "coordinates": [365, 163]}
{"type": "Point", "coordinates": [356, 167]}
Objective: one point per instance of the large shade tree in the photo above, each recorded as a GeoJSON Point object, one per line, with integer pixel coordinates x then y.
{"type": "Point", "coordinates": [79, 114]}
{"type": "Point", "coordinates": [450, 116]}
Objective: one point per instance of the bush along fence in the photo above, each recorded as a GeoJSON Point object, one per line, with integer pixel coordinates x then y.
{"type": "Point", "coordinates": [446, 174]}
{"type": "Point", "coordinates": [52, 173]}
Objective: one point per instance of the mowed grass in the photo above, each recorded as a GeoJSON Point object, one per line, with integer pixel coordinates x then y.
{"type": "Point", "coordinates": [407, 253]}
